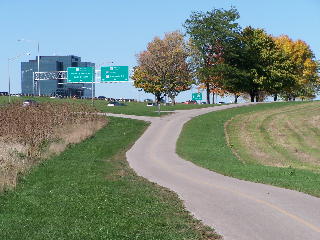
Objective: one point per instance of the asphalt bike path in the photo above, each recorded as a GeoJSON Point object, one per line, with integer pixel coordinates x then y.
{"type": "Point", "coordinates": [237, 209]}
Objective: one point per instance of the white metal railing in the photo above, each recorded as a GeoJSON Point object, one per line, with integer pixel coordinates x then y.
{"type": "Point", "coordinates": [54, 75]}
{"type": "Point", "coordinates": [62, 75]}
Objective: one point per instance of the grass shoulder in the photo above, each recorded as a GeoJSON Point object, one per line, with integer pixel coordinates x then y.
{"type": "Point", "coordinates": [282, 137]}
{"type": "Point", "coordinates": [131, 108]}
{"type": "Point", "coordinates": [206, 134]}
{"type": "Point", "coordinates": [90, 192]}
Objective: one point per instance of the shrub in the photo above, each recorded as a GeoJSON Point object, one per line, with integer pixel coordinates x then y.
{"type": "Point", "coordinates": [26, 132]}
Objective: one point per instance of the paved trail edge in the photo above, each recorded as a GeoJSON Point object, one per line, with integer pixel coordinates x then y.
{"type": "Point", "coordinates": [237, 209]}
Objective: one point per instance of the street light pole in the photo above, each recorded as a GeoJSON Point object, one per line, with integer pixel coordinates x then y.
{"type": "Point", "coordinates": [38, 62]}
{"type": "Point", "coordinates": [100, 65]}
{"type": "Point", "coordinates": [93, 72]}
{"type": "Point", "coordinates": [39, 69]}
{"type": "Point", "coordinates": [94, 77]}
{"type": "Point", "coordinates": [9, 87]}
{"type": "Point", "coordinates": [9, 81]}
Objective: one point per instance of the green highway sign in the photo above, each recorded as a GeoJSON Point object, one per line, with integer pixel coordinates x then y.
{"type": "Point", "coordinates": [196, 96]}
{"type": "Point", "coordinates": [80, 74]}
{"type": "Point", "coordinates": [114, 73]}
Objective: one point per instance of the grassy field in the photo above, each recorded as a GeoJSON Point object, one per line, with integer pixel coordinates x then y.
{"type": "Point", "coordinates": [282, 137]}
{"type": "Point", "coordinates": [142, 109]}
{"type": "Point", "coordinates": [89, 192]}
{"type": "Point", "coordinates": [30, 134]}
{"type": "Point", "coordinates": [4, 100]}
{"type": "Point", "coordinates": [206, 134]}
{"type": "Point", "coordinates": [132, 108]}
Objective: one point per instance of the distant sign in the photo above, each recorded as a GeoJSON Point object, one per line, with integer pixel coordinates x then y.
{"type": "Point", "coordinates": [196, 96]}
{"type": "Point", "coordinates": [80, 74]}
{"type": "Point", "coordinates": [114, 73]}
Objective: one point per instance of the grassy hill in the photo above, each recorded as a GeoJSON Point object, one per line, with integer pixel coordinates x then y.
{"type": "Point", "coordinates": [90, 192]}
{"type": "Point", "coordinates": [273, 143]}
{"type": "Point", "coordinates": [281, 137]}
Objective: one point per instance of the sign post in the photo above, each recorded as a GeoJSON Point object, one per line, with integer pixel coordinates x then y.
{"type": "Point", "coordinates": [92, 80]}
{"type": "Point", "coordinates": [197, 96]}
{"type": "Point", "coordinates": [81, 75]}
{"type": "Point", "coordinates": [115, 74]}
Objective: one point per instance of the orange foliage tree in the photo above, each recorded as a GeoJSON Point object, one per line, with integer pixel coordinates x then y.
{"type": "Point", "coordinates": [163, 69]}
{"type": "Point", "coordinates": [305, 68]}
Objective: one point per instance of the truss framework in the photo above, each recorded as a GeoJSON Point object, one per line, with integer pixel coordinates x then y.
{"type": "Point", "coordinates": [54, 75]}
{"type": "Point", "coordinates": [62, 75]}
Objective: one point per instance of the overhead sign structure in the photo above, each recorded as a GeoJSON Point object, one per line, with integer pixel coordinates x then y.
{"type": "Point", "coordinates": [196, 96]}
{"type": "Point", "coordinates": [80, 74]}
{"type": "Point", "coordinates": [114, 73]}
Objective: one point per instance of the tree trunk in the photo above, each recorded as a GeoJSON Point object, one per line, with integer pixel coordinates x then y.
{"type": "Point", "coordinates": [275, 97]}
{"type": "Point", "coordinates": [208, 93]}
{"type": "Point", "coordinates": [213, 97]}
{"type": "Point", "coordinates": [252, 97]}
{"type": "Point", "coordinates": [158, 97]}
{"type": "Point", "coordinates": [173, 101]}
{"type": "Point", "coordinates": [172, 97]}
{"type": "Point", "coordinates": [236, 98]}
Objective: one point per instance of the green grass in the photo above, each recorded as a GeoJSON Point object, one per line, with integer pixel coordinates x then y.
{"type": "Point", "coordinates": [4, 100]}
{"type": "Point", "coordinates": [90, 192]}
{"type": "Point", "coordinates": [132, 108]}
{"type": "Point", "coordinates": [206, 134]}
{"type": "Point", "coordinates": [278, 137]}
{"type": "Point", "coordinates": [143, 110]}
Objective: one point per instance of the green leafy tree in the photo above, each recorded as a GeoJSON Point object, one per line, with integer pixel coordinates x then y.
{"type": "Point", "coordinates": [212, 38]}
{"type": "Point", "coordinates": [258, 50]}
{"type": "Point", "coordinates": [259, 68]}
{"type": "Point", "coordinates": [163, 69]}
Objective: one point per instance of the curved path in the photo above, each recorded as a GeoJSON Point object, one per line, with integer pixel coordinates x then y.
{"type": "Point", "coordinates": [238, 210]}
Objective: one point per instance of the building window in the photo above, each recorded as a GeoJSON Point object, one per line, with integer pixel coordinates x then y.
{"type": "Point", "coordinates": [74, 64]}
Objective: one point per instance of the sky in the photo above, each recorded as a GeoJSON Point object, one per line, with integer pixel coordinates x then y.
{"type": "Point", "coordinates": [108, 30]}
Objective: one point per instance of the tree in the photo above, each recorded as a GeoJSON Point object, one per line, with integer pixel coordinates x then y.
{"type": "Point", "coordinates": [212, 35]}
{"type": "Point", "coordinates": [305, 68]}
{"type": "Point", "coordinates": [163, 68]}
{"type": "Point", "coordinates": [235, 81]}
{"type": "Point", "coordinates": [259, 68]}
{"type": "Point", "coordinates": [257, 58]}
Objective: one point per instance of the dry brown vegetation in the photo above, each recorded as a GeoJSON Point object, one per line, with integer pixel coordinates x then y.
{"type": "Point", "coordinates": [28, 134]}
{"type": "Point", "coordinates": [283, 137]}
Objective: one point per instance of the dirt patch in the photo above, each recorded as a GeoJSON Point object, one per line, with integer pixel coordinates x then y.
{"type": "Point", "coordinates": [75, 134]}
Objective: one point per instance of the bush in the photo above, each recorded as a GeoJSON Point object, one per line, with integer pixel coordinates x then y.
{"type": "Point", "coordinates": [27, 132]}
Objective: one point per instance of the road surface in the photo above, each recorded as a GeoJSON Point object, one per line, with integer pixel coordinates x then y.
{"type": "Point", "coordinates": [237, 209]}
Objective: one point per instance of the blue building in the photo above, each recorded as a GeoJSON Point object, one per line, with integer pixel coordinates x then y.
{"type": "Point", "coordinates": [54, 87]}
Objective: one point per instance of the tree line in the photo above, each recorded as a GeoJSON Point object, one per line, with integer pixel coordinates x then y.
{"type": "Point", "coordinates": [222, 58]}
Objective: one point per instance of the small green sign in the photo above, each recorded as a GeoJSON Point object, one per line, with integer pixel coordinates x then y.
{"type": "Point", "coordinates": [80, 74]}
{"type": "Point", "coordinates": [196, 96]}
{"type": "Point", "coordinates": [114, 73]}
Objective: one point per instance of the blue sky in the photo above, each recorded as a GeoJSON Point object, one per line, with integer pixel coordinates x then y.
{"type": "Point", "coordinates": [109, 30]}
